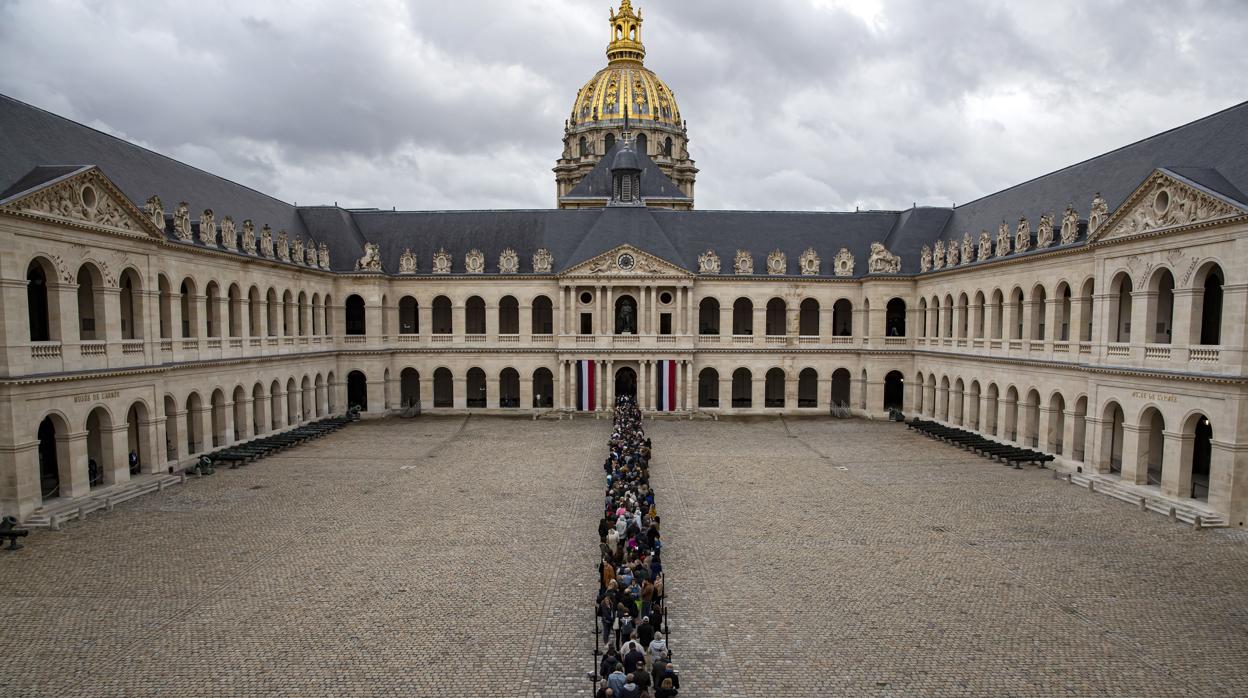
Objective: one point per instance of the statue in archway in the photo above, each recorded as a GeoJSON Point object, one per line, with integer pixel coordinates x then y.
{"type": "Point", "coordinates": [626, 318]}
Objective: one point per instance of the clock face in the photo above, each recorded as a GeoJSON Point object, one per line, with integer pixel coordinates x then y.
{"type": "Point", "coordinates": [626, 262]}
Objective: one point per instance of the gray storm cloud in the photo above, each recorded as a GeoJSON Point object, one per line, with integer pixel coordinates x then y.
{"type": "Point", "coordinates": [792, 104]}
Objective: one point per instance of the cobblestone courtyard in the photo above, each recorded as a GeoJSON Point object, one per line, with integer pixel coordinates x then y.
{"type": "Point", "coordinates": [455, 557]}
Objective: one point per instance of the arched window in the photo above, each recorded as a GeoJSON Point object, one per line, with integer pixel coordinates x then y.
{"type": "Point", "coordinates": [964, 317]}
{"type": "Point", "coordinates": [894, 390]}
{"type": "Point", "coordinates": [1161, 307]}
{"type": "Point", "coordinates": [443, 388]}
{"type": "Point", "coordinates": [100, 448]}
{"type": "Point", "coordinates": [1120, 309]}
{"type": "Point", "coordinates": [998, 314]}
{"type": "Point", "coordinates": [978, 316]}
{"type": "Point", "coordinates": [217, 410]}
{"type": "Point", "coordinates": [642, 144]}
{"type": "Point", "coordinates": [808, 388]}
{"type": "Point", "coordinates": [274, 312]}
{"type": "Point", "coordinates": [1039, 303]}
{"type": "Point", "coordinates": [131, 302]}
{"type": "Point", "coordinates": [255, 313]}
{"type": "Point", "coordinates": [234, 306]}
{"type": "Point", "coordinates": [474, 316]}
{"type": "Point", "coordinates": [38, 308]}
{"type": "Point", "coordinates": [947, 318]}
{"type": "Point", "coordinates": [329, 317]}
{"type": "Point", "coordinates": [808, 318]}
{"type": "Point", "coordinates": [165, 291]}
{"type": "Point", "coordinates": [442, 317]}
{"type": "Point", "coordinates": [667, 147]}
{"type": "Point", "coordinates": [895, 318]}
{"type": "Point", "coordinates": [90, 303]}
{"type": "Point", "coordinates": [843, 318]}
{"type": "Point", "coordinates": [409, 316]}
{"type": "Point", "coordinates": [476, 387]}
{"type": "Point", "coordinates": [626, 316]}
{"type": "Point", "coordinates": [355, 316]}
{"type": "Point", "coordinates": [841, 383]}
{"type": "Point", "coordinates": [776, 318]}
{"type": "Point", "coordinates": [584, 147]}
{"type": "Point", "coordinates": [543, 320]}
{"type": "Point", "coordinates": [923, 317]}
{"type": "Point", "coordinates": [708, 317]}
{"type": "Point", "coordinates": [190, 310]}
{"type": "Point", "coordinates": [610, 142]}
{"type": "Point", "coordinates": [409, 387]}
{"type": "Point", "coordinates": [1017, 303]}
{"type": "Point", "coordinates": [54, 457]}
{"type": "Point", "coordinates": [194, 424]}
{"type": "Point", "coordinates": [318, 327]}
{"type": "Point", "coordinates": [742, 388]}
{"type": "Point", "coordinates": [509, 388]}
{"type": "Point", "coordinates": [708, 388]}
{"type": "Point", "coordinates": [1210, 305]}
{"type": "Point", "coordinates": [288, 314]}
{"type": "Point", "coordinates": [357, 391]}
{"type": "Point", "coordinates": [543, 388]}
{"type": "Point", "coordinates": [212, 309]}
{"type": "Point", "coordinates": [509, 320]}
{"type": "Point", "coordinates": [743, 317]}
{"type": "Point", "coordinates": [303, 313]}
{"type": "Point", "coordinates": [1197, 466]}
{"type": "Point", "coordinates": [1064, 313]}
{"type": "Point", "coordinates": [774, 389]}
{"type": "Point", "coordinates": [933, 318]}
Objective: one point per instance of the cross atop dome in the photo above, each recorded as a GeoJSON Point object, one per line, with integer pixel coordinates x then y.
{"type": "Point", "coordinates": [626, 35]}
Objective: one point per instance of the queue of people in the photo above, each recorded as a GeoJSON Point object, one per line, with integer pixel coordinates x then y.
{"type": "Point", "coordinates": [631, 605]}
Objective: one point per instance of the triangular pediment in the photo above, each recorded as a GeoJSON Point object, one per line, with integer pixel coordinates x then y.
{"type": "Point", "coordinates": [82, 198]}
{"type": "Point", "coordinates": [1167, 201]}
{"type": "Point", "coordinates": [625, 261]}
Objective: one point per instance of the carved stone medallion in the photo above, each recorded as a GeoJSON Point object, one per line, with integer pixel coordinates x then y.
{"type": "Point", "coordinates": [843, 263]}
{"type": "Point", "coordinates": [1003, 239]}
{"type": "Point", "coordinates": [925, 259]}
{"type": "Point", "coordinates": [474, 262]}
{"type": "Point", "coordinates": [182, 222]}
{"type": "Point", "coordinates": [442, 262]}
{"type": "Point", "coordinates": [777, 263]}
{"type": "Point", "coordinates": [229, 236]}
{"type": "Point", "coordinates": [1070, 225]}
{"type": "Point", "coordinates": [743, 263]}
{"type": "Point", "coordinates": [155, 211]}
{"type": "Point", "coordinates": [207, 228]}
{"type": "Point", "coordinates": [938, 255]}
{"type": "Point", "coordinates": [407, 262]}
{"type": "Point", "coordinates": [322, 254]}
{"type": "Point", "coordinates": [509, 262]}
{"type": "Point", "coordinates": [1022, 236]}
{"type": "Point", "coordinates": [968, 249]}
{"type": "Point", "coordinates": [708, 262]}
{"type": "Point", "coordinates": [543, 262]}
{"type": "Point", "coordinates": [809, 262]}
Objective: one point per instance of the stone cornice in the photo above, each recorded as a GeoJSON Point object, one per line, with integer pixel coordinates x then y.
{"type": "Point", "coordinates": [1128, 371]}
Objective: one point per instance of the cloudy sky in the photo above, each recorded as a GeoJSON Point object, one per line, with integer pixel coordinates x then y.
{"type": "Point", "coordinates": [791, 104]}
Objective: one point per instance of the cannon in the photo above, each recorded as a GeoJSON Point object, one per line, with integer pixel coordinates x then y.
{"type": "Point", "coordinates": [9, 529]}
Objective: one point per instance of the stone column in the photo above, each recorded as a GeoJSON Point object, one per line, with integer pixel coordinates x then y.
{"type": "Point", "coordinates": [1228, 476]}
{"type": "Point", "coordinates": [758, 390]}
{"type": "Point", "coordinates": [491, 323]}
{"type": "Point", "coordinates": [875, 397]}
{"type": "Point", "coordinates": [760, 319]}
{"type": "Point", "coordinates": [986, 408]}
{"type": "Point", "coordinates": [1176, 471]}
{"type": "Point", "coordinates": [1080, 316]}
{"type": "Point", "coordinates": [956, 406]}
{"type": "Point", "coordinates": [691, 385]}
{"type": "Point", "coordinates": [608, 317]}
{"type": "Point", "coordinates": [1186, 326]}
{"type": "Point", "coordinates": [725, 320]}
{"type": "Point", "coordinates": [691, 312]}
{"type": "Point", "coordinates": [151, 432]}
{"type": "Point", "coordinates": [609, 377]}
{"type": "Point", "coordinates": [643, 384]}
{"type": "Point", "coordinates": [262, 411]}
{"type": "Point", "coordinates": [108, 323]}
{"type": "Point", "coordinates": [1096, 455]}
{"type": "Point", "coordinates": [1046, 439]}
{"type": "Point", "coordinates": [526, 390]}
{"type": "Point", "coordinates": [459, 320]}
{"type": "Point", "coordinates": [459, 390]}
{"type": "Point", "coordinates": [20, 494]}
{"type": "Point", "coordinates": [792, 320]}
{"type": "Point", "coordinates": [227, 424]}
{"type": "Point", "coordinates": [1052, 321]}
{"type": "Point", "coordinates": [1134, 450]}
{"type": "Point", "coordinates": [1069, 442]}
{"type": "Point", "coordinates": [601, 392]}
{"type": "Point", "coordinates": [78, 482]}
{"type": "Point", "coordinates": [116, 468]}
{"type": "Point", "coordinates": [725, 390]}
{"type": "Point", "coordinates": [1008, 406]}
{"type": "Point", "coordinates": [1143, 306]}
{"type": "Point", "coordinates": [942, 402]}
{"type": "Point", "coordinates": [558, 384]}
{"type": "Point", "coordinates": [493, 397]}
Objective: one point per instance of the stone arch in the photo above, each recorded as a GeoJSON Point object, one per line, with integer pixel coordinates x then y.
{"type": "Point", "coordinates": [194, 425]}
{"type": "Point", "coordinates": [1011, 414]}
{"type": "Point", "coordinates": [443, 318]}
{"type": "Point", "coordinates": [1018, 305]}
{"type": "Point", "coordinates": [808, 318]}
{"type": "Point", "coordinates": [923, 317]}
{"type": "Point", "coordinates": [973, 396]}
{"type": "Point", "coordinates": [1038, 331]}
{"type": "Point", "coordinates": [240, 413]}
{"type": "Point", "coordinates": [130, 304]}
{"type": "Point", "coordinates": [173, 430]}
{"type": "Point", "coordinates": [777, 318]}
{"type": "Point", "coordinates": [216, 418]}
{"type": "Point", "coordinates": [543, 388]}
{"type": "Point", "coordinates": [55, 460]}
{"type": "Point", "coordinates": [1206, 309]}
{"type": "Point", "coordinates": [356, 319]}
{"type": "Point", "coordinates": [808, 388]}
{"type": "Point", "coordinates": [294, 412]}
{"type": "Point", "coordinates": [957, 402]}
{"type": "Point", "coordinates": [476, 389]}
{"type": "Point", "coordinates": [843, 318]}
{"type": "Point", "coordinates": [894, 390]}
{"type": "Point", "coordinates": [978, 318]}
{"type": "Point", "coordinates": [919, 400]}
{"type": "Point", "coordinates": [742, 319]}
{"type": "Point", "coordinates": [1196, 457]}
{"type": "Point", "coordinates": [474, 316]}
{"type": "Point", "coordinates": [773, 395]}
{"type": "Point", "coordinates": [91, 311]}
{"type": "Point", "coordinates": [1160, 304]}
{"type": "Point", "coordinates": [1031, 412]}
{"type": "Point", "coordinates": [842, 386]}
{"type": "Point", "coordinates": [708, 316]}
{"type": "Point", "coordinates": [255, 313]}
{"type": "Point", "coordinates": [1120, 308]}
{"type": "Point", "coordinates": [1056, 424]}
{"type": "Point", "coordinates": [288, 314]}
{"type": "Point", "coordinates": [742, 388]}
{"type": "Point", "coordinates": [331, 387]}
{"type": "Point", "coordinates": [1112, 433]}
{"type": "Point", "coordinates": [357, 390]}
{"type": "Point", "coordinates": [275, 405]}
{"type": "Point", "coordinates": [42, 304]}
{"type": "Point", "coordinates": [993, 408]}
{"type": "Point", "coordinates": [273, 312]}
{"type": "Point", "coordinates": [998, 314]}
{"type": "Point", "coordinates": [894, 318]}
{"type": "Point", "coordinates": [542, 318]}
{"type": "Point", "coordinates": [708, 388]}
{"type": "Point", "coordinates": [212, 309]}
{"type": "Point", "coordinates": [508, 315]}
{"type": "Point", "coordinates": [302, 308]}
{"type": "Point", "coordinates": [509, 388]}
{"type": "Point", "coordinates": [443, 388]}
{"type": "Point", "coordinates": [409, 388]}
{"type": "Point", "coordinates": [1151, 447]}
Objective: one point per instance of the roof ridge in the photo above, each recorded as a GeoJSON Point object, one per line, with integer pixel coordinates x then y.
{"type": "Point", "coordinates": [132, 144]}
{"type": "Point", "coordinates": [1108, 153]}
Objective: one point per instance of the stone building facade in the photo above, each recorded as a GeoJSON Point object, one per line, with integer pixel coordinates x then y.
{"type": "Point", "coordinates": [1097, 313]}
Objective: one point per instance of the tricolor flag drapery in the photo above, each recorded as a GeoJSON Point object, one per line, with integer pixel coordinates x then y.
{"type": "Point", "coordinates": [586, 398]}
{"type": "Point", "coordinates": [666, 401]}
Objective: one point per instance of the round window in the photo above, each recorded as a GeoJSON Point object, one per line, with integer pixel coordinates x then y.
{"type": "Point", "coordinates": [665, 298]}
{"type": "Point", "coordinates": [587, 297]}
{"type": "Point", "coordinates": [88, 196]}
{"type": "Point", "coordinates": [1161, 203]}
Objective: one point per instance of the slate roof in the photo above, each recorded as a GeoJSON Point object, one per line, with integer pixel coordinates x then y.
{"type": "Point", "coordinates": [598, 183]}
{"type": "Point", "coordinates": [36, 147]}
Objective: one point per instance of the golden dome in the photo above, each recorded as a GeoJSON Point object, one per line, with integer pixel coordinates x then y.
{"type": "Point", "coordinates": [626, 87]}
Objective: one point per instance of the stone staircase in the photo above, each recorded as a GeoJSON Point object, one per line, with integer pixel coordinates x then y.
{"type": "Point", "coordinates": [1189, 511]}
{"type": "Point", "coordinates": [58, 511]}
